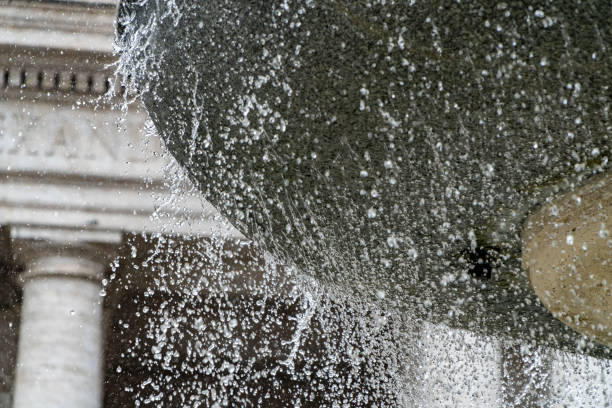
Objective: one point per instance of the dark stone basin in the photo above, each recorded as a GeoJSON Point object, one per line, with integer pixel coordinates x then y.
{"type": "Point", "coordinates": [388, 148]}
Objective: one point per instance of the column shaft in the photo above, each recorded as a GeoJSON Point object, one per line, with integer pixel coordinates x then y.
{"type": "Point", "coordinates": [60, 345]}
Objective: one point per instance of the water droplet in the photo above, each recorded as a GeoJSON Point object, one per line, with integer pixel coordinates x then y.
{"type": "Point", "coordinates": [392, 241]}
{"type": "Point", "coordinates": [412, 253]}
{"type": "Point", "coordinates": [554, 211]}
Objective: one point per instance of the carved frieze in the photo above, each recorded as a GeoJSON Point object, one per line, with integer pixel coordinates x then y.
{"type": "Point", "coordinates": [62, 140]}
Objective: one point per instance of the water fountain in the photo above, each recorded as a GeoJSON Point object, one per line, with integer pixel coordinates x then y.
{"type": "Point", "coordinates": [389, 148]}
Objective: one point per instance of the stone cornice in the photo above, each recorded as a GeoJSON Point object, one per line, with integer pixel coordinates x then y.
{"type": "Point", "coordinates": [34, 78]}
{"type": "Point", "coordinates": [85, 25]}
{"type": "Point", "coordinates": [108, 207]}
{"type": "Point", "coordinates": [58, 51]}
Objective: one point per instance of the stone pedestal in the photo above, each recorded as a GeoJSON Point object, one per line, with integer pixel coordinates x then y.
{"type": "Point", "coordinates": [59, 363]}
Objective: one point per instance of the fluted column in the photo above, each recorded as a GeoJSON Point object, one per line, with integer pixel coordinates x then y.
{"type": "Point", "coordinates": [59, 362]}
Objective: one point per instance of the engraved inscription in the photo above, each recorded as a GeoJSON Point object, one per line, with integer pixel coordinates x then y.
{"type": "Point", "coordinates": [34, 135]}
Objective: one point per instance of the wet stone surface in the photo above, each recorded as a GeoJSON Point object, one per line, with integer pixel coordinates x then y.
{"type": "Point", "coordinates": [379, 146]}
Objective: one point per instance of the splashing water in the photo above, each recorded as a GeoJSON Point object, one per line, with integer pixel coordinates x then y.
{"type": "Point", "coordinates": [238, 324]}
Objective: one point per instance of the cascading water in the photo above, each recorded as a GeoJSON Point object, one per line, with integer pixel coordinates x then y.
{"type": "Point", "coordinates": [390, 151]}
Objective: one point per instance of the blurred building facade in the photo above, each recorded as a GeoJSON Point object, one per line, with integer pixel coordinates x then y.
{"type": "Point", "coordinates": [78, 178]}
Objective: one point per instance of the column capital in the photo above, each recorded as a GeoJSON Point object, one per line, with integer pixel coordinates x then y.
{"type": "Point", "coordinates": [61, 252]}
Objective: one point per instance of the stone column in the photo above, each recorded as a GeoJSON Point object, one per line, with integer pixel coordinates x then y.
{"type": "Point", "coordinates": [59, 362]}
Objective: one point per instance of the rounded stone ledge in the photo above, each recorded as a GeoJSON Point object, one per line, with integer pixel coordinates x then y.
{"type": "Point", "coordinates": [567, 253]}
